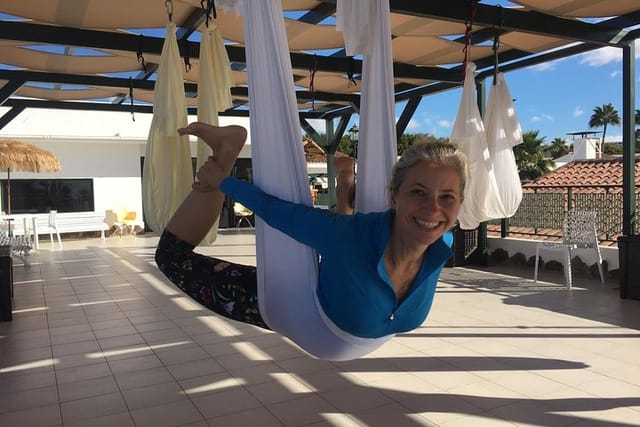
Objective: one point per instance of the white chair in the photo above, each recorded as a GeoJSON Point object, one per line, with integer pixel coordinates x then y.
{"type": "Point", "coordinates": [578, 231]}
{"type": "Point", "coordinates": [53, 226]}
{"type": "Point", "coordinates": [242, 213]}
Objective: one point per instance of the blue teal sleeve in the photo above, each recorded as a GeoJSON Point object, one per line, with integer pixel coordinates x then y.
{"type": "Point", "coordinates": [311, 226]}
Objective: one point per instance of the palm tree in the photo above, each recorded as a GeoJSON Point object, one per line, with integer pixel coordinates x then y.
{"type": "Point", "coordinates": [530, 157]}
{"type": "Point", "coordinates": [604, 116]}
{"type": "Point", "coordinates": [558, 148]}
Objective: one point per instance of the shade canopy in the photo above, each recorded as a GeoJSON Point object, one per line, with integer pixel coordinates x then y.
{"type": "Point", "coordinates": [87, 50]}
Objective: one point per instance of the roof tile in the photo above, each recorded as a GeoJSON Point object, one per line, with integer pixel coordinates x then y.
{"type": "Point", "coordinates": [585, 173]}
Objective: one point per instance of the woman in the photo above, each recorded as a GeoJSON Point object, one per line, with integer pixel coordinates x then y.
{"type": "Point", "coordinates": [378, 272]}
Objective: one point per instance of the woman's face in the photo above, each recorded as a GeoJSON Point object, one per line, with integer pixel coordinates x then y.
{"type": "Point", "coordinates": [427, 202]}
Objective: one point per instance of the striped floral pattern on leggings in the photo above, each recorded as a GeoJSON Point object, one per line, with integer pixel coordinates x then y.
{"type": "Point", "coordinates": [225, 288]}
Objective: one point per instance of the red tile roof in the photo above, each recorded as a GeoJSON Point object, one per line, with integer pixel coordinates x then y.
{"type": "Point", "coordinates": [585, 172]}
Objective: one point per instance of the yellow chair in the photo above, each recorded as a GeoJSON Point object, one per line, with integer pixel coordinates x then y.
{"type": "Point", "coordinates": [129, 221]}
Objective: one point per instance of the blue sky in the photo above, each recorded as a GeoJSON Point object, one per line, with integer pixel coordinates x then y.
{"type": "Point", "coordinates": [553, 98]}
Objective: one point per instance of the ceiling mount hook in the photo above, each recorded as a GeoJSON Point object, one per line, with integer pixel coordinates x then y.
{"type": "Point", "coordinates": [209, 9]}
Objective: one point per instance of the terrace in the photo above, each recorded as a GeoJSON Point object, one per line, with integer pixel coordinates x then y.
{"type": "Point", "coordinates": [99, 337]}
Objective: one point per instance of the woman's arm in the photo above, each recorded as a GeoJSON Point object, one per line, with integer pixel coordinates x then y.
{"type": "Point", "coordinates": [314, 227]}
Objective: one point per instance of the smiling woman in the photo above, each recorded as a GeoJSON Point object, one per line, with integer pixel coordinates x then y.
{"type": "Point", "coordinates": [378, 270]}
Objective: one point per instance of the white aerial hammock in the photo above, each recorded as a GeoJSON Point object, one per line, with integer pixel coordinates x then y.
{"type": "Point", "coordinates": [214, 93]}
{"type": "Point", "coordinates": [503, 133]}
{"type": "Point", "coordinates": [481, 196]}
{"type": "Point", "coordinates": [367, 30]}
{"type": "Point", "coordinates": [167, 174]}
{"type": "Point", "coordinates": [288, 270]}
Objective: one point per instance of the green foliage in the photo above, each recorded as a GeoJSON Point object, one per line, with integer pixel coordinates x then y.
{"type": "Point", "coordinates": [609, 148]}
{"type": "Point", "coordinates": [347, 146]}
{"type": "Point", "coordinates": [558, 148]}
{"type": "Point", "coordinates": [409, 139]}
{"type": "Point", "coordinates": [530, 158]}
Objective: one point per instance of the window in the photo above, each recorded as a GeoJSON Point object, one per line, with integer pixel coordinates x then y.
{"type": "Point", "coordinates": [43, 195]}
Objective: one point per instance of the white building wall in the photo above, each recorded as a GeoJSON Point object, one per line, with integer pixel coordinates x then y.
{"type": "Point", "coordinates": [528, 249]}
{"type": "Point", "coordinates": [113, 164]}
{"type": "Point", "coordinates": [104, 146]}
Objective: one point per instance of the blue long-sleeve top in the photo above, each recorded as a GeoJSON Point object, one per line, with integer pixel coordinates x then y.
{"type": "Point", "coordinates": [354, 288]}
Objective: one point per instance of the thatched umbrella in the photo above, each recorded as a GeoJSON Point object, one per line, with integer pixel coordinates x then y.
{"type": "Point", "coordinates": [20, 156]}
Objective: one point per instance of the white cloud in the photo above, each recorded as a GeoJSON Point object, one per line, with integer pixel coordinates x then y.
{"type": "Point", "coordinates": [614, 74]}
{"type": "Point", "coordinates": [545, 66]}
{"type": "Point", "coordinates": [444, 123]}
{"type": "Point", "coordinates": [577, 112]}
{"type": "Point", "coordinates": [612, 138]}
{"type": "Point", "coordinates": [413, 125]}
{"type": "Point", "coordinates": [542, 118]}
{"type": "Point", "coordinates": [600, 57]}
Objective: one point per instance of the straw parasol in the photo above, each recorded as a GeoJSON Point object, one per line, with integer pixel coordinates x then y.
{"type": "Point", "coordinates": [20, 156]}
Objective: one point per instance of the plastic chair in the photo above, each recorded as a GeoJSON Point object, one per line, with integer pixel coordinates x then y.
{"type": "Point", "coordinates": [129, 222]}
{"type": "Point", "coordinates": [111, 218]}
{"type": "Point", "coordinates": [242, 213]}
{"type": "Point", "coordinates": [578, 231]}
{"type": "Point", "coordinates": [53, 226]}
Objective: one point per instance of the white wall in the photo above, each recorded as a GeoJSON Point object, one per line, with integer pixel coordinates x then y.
{"type": "Point", "coordinates": [113, 164]}
{"type": "Point", "coordinates": [528, 249]}
{"type": "Point", "coordinates": [100, 145]}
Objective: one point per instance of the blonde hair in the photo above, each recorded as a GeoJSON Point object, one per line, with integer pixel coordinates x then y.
{"type": "Point", "coordinates": [439, 152]}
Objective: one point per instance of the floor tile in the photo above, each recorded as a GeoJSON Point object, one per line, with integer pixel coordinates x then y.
{"type": "Point", "coordinates": [28, 399]}
{"type": "Point", "coordinates": [87, 388]}
{"type": "Point", "coordinates": [92, 407]}
{"type": "Point", "coordinates": [41, 416]}
{"type": "Point", "coordinates": [171, 414]}
{"type": "Point", "coordinates": [153, 395]}
{"type": "Point", "coordinates": [113, 347]}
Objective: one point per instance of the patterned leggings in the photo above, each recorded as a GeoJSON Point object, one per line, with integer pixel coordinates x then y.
{"type": "Point", "coordinates": [225, 288]}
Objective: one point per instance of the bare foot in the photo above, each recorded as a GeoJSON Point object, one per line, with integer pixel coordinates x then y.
{"type": "Point", "coordinates": [345, 185]}
{"type": "Point", "coordinates": [225, 141]}
{"type": "Point", "coordinates": [344, 165]}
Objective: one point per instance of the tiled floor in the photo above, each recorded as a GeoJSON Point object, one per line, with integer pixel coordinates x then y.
{"type": "Point", "coordinates": [99, 338]}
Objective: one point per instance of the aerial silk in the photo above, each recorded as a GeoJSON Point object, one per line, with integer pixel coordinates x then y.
{"type": "Point", "coordinates": [214, 94]}
{"type": "Point", "coordinates": [377, 149]}
{"type": "Point", "coordinates": [503, 133]}
{"type": "Point", "coordinates": [481, 196]}
{"type": "Point", "coordinates": [167, 173]}
{"type": "Point", "coordinates": [288, 270]}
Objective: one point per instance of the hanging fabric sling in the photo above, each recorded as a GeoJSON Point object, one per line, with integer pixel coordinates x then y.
{"type": "Point", "coordinates": [288, 270]}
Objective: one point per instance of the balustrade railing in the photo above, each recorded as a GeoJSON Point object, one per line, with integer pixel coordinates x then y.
{"type": "Point", "coordinates": [543, 208]}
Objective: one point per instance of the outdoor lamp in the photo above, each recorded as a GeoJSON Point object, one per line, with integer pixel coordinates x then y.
{"type": "Point", "coordinates": [353, 135]}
